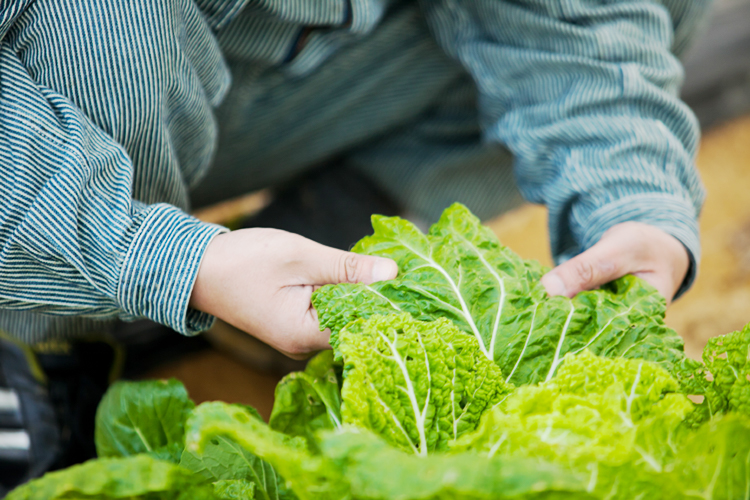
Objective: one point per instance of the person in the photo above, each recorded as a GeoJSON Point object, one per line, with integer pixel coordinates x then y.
{"type": "Point", "coordinates": [115, 117]}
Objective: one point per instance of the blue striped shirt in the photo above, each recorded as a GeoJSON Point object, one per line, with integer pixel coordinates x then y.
{"type": "Point", "coordinates": [106, 124]}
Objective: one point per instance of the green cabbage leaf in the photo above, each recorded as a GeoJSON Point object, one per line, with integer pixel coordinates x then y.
{"type": "Point", "coordinates": [727, 374]}
{"type": "Point", "coordinates": [143, 417]}
{"type": "Point", "coordinates": [352, 463]}
{"type": "Point", "coordinates": [417, 384]}
{"type": "Point", "coordinates": [234, 489]}
{"type": "Point", "coordinates": [305, 473]}
{"type": "Point", "coordinates": [134, 477]}
{"type": "Point", "coordinates": [459, 271]}
{"type": "Point", "coordinates": [610, 419]}
{"type": "Point", "coordinates": [308, 401]}
{"type": "Point", "coordinates": [222, 459]}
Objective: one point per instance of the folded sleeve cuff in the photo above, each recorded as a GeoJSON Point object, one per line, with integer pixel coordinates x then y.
{"type": "Point", "coordinates": [160, 268]}
{"type": "Point", "coordinates": [672, 214]}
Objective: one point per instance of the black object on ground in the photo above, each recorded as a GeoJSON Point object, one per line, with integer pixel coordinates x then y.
{"type": "Point", "coordinates": [331, 205]}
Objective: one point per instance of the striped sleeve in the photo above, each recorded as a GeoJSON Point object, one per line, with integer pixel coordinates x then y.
{"type": "Point", "coordinates": [72, 240]}
{"type": "Point", "coordinates": [585, 94]}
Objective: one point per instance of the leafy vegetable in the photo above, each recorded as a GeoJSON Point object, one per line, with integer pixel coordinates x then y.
{"type": "Point", "coordinates": [599, 416]}
{"type": "Point", "coordinates": [308, 401]}
{"type": "Point", "coordinates": [459, 271]}
{"type": "Point", "coordinates": [418, 384]}
{"type": "Point", "coordinates": [140, 417]}
{"type": "Point", "coordinates": [375, 470]}
{"type": "Point", "coordinates": [306, 474]}
{"type": "Point", "coordinates": [727, 360]}
{"type": "Point", "coordinates": [231, 489]}
{"type": "Point", "coordinates": [223, 459]}
{"type": "Point", "coordinates": [460, 379]}
{"type": "Point", "coordinates": [110, 478]}
{"type": "Point", "coordinates": [356, 464]}
{"type": "Point", "coordinates": [714, 461]}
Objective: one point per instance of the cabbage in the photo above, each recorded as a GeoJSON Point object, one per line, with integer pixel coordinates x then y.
{"type": "Point", "coordinates": [460, 379]}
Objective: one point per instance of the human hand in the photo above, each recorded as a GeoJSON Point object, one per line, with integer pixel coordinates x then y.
{"type": "Point", "coordinates": [260, 280]}
{"type": "Point", "coordinates": [627, 248]}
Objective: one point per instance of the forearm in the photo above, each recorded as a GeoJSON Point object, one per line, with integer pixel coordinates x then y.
{"type": "Point", "coordinates": [72, 240]}
{"type": "Point", "coordinates": [585, 96]}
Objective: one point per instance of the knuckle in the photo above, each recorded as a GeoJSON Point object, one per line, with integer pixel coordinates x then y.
{"type": "Point", "coordinates": [350, 268]}
{"type": "Point", "coordinates": [585, 272]}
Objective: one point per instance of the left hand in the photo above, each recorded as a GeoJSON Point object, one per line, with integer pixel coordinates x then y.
{"type": "Point", "coordinates": [627, 248]}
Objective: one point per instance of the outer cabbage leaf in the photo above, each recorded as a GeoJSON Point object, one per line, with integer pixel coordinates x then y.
{"type": "Point", "coordinates": [354, 464]}
{"type": "Point", "coordinates": [133, 477]}
{"type": "Point", "coordinates": [459, 271]}
{"type": "Point", "coordinates": [714, 461]}
{"type": "Point", "coordinates": [613, 419]}
{"type": "Point", "coordinates": [727, 360]}
{"type": "Point", "coordinates": [222, 458]}
{"type": "Point", "coordinates": [306, 474]}
{"type": "Point", "coordinates": [143, 417]}
{"type": "Point", "coordinates": [418, 384]}
{"type": "Point", "coordinates": [376, 470]}
{"type": "Point", "coordinates": [308, 401]}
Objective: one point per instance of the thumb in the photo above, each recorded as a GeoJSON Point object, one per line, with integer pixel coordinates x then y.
{"type": "Point", "coordinates": [598, 265]}
{"type": "Point", "coordinates": [336, 266]}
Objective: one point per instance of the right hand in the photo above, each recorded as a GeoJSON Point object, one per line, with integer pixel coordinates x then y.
{"type": "Point", "coordinates": [261, 280]}
{"type": "Point", "coordinates": [626, 248]}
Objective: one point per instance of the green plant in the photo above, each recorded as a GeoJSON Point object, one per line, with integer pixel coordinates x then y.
{"type": "Point", "coordinates": [458, 379]}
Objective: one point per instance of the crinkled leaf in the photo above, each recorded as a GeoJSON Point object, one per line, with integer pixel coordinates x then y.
{"type": "Point", "coordinates": [234, 489]}
{"type": "Point", "coordinates": [714, 461]}
{"type": "Point", "coordinates": [222, 458]}
{"type": "Point", "coordinates": [727, 359]}
{"type": "Point", "coordinates": [308, 401]}
{"type": "Point", "coordinates": [355, 465]}
{"type": "Point", "coordinates": [304, 473]}
{"type": "Point", "coordinates": [614, 420]}
{"type": "Point", "coordinates": [418, 384]}
{"type": "Point", "coordinates": [133, 477]}
{"type": "Point", "coordinates": [459, 271]}
{"type": "Point", "coordinates": [140, 417]}
{"type": "Point", "coordinates": [376, 470]}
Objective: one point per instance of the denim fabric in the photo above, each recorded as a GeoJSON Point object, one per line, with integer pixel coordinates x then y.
{"type": "Point", "coordinates": [109, 127]}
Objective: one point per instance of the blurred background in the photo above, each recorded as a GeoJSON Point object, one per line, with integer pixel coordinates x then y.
{"type": "Point", "coordinates": [228, 365]}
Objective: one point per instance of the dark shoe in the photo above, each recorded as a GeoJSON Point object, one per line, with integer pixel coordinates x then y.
{"type": "Point", "coordinates": [30, 442]}
{"type": "Point", "coordinates": [48, 400]}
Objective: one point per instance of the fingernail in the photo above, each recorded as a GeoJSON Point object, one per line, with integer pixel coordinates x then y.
{"type": "Point", "coordinates": [554, 285]}
{"type": "Point", "coordinates": [384, 269]}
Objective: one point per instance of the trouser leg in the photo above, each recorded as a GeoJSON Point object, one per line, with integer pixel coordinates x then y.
{"type": "Point", "coordinates": [274, 125]}
{"type": "Point", "coordinates": [392, 106]}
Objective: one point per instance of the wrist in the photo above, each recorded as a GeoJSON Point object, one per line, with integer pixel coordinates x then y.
{"type": "Point", "coordinates": [160, 267]}
{"type": "Point", "coordinates": [204, 294]}
{"type": "Point", "coordinates": [673, 215]}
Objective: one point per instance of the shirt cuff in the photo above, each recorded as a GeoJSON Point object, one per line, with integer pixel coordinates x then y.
{"type": "Point", "coordinates": [672, 214]}
{"type": "Point", "coordinates": [160, 267]}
